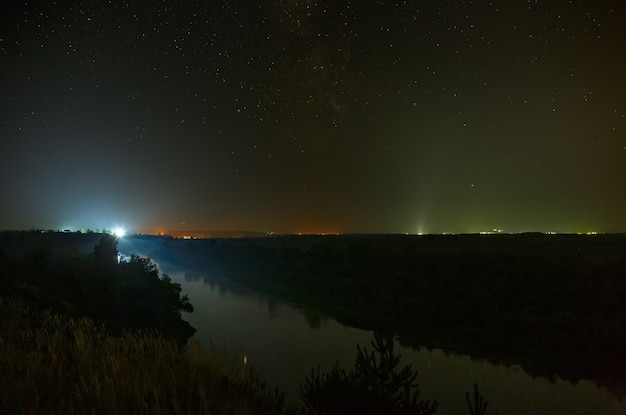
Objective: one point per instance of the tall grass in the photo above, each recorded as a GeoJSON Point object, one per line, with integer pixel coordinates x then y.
{"type": "Point", "coordinates": [52, 364]}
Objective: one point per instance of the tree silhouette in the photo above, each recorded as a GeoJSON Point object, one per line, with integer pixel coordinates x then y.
{"type": "Point", "coordinates": [105, 252]}
{"type": "Point", "coordinates": [479, 404]}
{"type": "Point", "coordinates": [375, 385]}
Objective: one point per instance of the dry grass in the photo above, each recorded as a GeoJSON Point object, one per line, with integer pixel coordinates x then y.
{"type": "Point", "coordinates": [52, 364]}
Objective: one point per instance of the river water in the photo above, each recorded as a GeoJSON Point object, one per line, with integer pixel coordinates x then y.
{"type": "Point", "coordinates": [284, 342]}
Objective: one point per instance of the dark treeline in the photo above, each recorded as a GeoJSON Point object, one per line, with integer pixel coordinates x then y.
{"type": "Point", "coordinates": [70, 344]}
{"type": "Point", "coordinates": [51, 271]}
{"type": "Point", "coordinates": [55, 364]}
{"type": "Point", "coordinates": [556, 304]}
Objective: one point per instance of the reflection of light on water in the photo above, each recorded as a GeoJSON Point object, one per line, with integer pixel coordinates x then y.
{"type": "Point", "coordinates": [286, 346]}
{"type": "Point", "coordinates": [122, 257]}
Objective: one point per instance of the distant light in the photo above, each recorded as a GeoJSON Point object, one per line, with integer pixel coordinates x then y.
{"type": "Point", "coordinates": [119, 232]}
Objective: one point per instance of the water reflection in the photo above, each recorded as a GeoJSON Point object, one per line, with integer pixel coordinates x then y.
{"type": "Point", "coordinates": [285, 342]}
{"type": "Point", "coordinates": [224, 288]}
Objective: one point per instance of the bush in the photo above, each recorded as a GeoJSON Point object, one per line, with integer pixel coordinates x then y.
{"type": "Point", "coordinates": [375, 385]}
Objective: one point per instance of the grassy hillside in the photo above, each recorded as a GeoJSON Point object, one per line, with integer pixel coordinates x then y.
{"type": "Point", "coordinates": [86, 334]}
{"type": "Point", "coordinates": [54, 364]}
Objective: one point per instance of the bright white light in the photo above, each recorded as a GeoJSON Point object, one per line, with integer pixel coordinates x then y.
{"type": "Point", "coordinates": [119, 232]}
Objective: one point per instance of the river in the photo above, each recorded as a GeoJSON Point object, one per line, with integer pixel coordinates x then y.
{"type": "Point", "coordinates": [284, 342]}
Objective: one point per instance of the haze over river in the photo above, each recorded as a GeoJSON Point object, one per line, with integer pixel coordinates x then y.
{"type": "Point", "coordinates": [284, 342]}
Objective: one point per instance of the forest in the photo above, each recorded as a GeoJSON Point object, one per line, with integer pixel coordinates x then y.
{"type": "Point", "coordinates": [555, 304]}
{"type": "Point", "coordinates": [72, 314]}
{"type": "Point", "coordinates": [56, 272]}
{"type": "Point", "coordinates": [86, 332]}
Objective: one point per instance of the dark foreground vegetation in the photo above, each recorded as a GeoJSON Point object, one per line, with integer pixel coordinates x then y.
{"type": "Point", "coordinates": [44, 273]}
{"type": "Point", "coordinates": [54, 364]}
{"type": "Point", "coordinates": [87, 334]}
{"type": "Point", "coordinates": [556, 304]}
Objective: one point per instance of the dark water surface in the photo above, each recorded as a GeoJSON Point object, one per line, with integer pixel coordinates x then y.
{"type": "Point", "coordinates": [284, 342]}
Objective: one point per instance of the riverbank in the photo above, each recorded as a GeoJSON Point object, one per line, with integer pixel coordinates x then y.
{"type": "Point", "coordinates": [46, 271]}
{"type": "Point", "coordinates": [55, 364]}
{"type": "Point", "coordinates": [82, 332]}
{"type": "Point", "coordinates": [41, 276]}
{"type": "Point", "coordinates": [554, 304]}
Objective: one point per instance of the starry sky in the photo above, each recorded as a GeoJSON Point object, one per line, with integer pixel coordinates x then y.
{"type": "Point", "coordinates": [314, 115]}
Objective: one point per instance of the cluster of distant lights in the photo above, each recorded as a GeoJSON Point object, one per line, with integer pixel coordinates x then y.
{"type": "Point", "coordinates": [501, 232]}
{"type": "Point", "coordinates": [118, 231]}
{"type": "Point", "coordinates": [492, 232]}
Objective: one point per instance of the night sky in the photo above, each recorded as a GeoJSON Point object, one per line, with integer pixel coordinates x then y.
{"type": "Point", "coordinates": [314, 116]}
